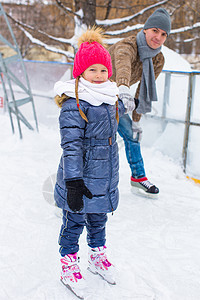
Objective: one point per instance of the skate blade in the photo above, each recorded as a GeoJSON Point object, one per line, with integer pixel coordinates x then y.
{"type": "Point", "coordinates": [96, 273]}
{"type": "Point", "coordinates": [71, 289]}
{"type": "Point", "coordinates": [142, 193]}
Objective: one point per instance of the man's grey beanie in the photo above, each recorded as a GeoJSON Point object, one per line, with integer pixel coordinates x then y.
{"type": "Point", "coordinates": [160, 18]}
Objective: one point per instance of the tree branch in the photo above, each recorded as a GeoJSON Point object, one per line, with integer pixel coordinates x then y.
{"type": "Point", "coordinates": [69, 42]}
{"type": "Point", "coordinates": [129, 18]}
{"type": "Point", "coordinates": [66, 10]}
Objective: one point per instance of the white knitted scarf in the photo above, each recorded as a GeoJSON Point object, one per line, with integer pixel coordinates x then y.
{"type": "Point", "coordinates": [95, 94]}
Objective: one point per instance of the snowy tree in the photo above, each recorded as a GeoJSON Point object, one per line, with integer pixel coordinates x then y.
{"type": "Point", "coordinates": [56, 25]}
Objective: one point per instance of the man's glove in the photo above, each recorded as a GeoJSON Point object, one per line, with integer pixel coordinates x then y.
{"type": "Point", "coordinates": [75, 191]}
{"type": "Point", "coordinates": [137, 131]}
{"type": "Point", "coordinates": [127, 99]}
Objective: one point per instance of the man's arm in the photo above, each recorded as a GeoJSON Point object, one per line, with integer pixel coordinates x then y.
{"type": "Point", "coordinates": [123, 54]}
{"type": "Point", "coordinates": [158, 64]}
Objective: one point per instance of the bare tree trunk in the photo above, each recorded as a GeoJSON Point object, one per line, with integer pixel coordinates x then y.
{"type": "Point", "coordinates": [89, 12]}
{"type": "Point", "coordinates": [77, 5]}
{"type": "Point", "coordinates": [44, 24]}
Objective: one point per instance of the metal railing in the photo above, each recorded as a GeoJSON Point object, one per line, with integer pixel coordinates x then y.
{"type": "Point", "coordinates": [190, 99]}
{"type": "Point", "coordinates": [57, 70]}
{"type": "Point", "coordinates": [166, 96]}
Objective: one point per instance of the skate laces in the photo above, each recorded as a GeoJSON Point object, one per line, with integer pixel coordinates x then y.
{"type": "Point", "coordinates": [146, 183]}
{"type": "Point", "coordinates": [69, 259]}
{"type": "Point", "coordinates": [142, 181]}
{"type": "Point", "coordinates": [100, 258]}
{"type": "Point", "coordinates": [70, 267]}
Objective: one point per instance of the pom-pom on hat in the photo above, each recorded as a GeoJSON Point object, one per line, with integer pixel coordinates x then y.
{"type": "Point", "coordinates": [160, 18]}
{"type": "Point", "coordinates": [91, 51]}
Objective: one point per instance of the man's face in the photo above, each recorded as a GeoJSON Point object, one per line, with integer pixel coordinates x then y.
{"type": "Point", "coordinates": [155, 37]}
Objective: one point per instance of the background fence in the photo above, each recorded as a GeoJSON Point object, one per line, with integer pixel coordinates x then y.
{"type": "Point", "coordinates": [177, 115]}
{"type": "Point", "coordinates": [173, 126]}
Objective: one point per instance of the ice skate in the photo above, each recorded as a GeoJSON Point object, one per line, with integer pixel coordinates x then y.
{"type": "Point", "coordinates": [144, 187]}
{"type": "Point", "coordinates": [71, 276]}
{"type": "Point", "coordinates": [99, 264]}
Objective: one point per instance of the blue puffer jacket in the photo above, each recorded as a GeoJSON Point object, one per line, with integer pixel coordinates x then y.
{"type": "Point", "coordinates": [90, 152]}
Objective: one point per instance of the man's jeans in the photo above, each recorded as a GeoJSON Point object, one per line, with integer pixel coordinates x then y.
{"type": "Point", "coordinates": [132, 147]}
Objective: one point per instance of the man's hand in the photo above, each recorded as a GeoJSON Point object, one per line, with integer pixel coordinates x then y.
{"type": "Point", "coordinates": [126, 97]}
{"type": "Point", "coordinates": [137, 131]}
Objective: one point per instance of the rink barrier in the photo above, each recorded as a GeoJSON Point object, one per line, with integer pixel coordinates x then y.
{"type": "Point", "coordinates": [197, 181]}
{"type": "Point", "coordinates": [48, 62]}
{"type": "Point", "coordinates": [190, 97]}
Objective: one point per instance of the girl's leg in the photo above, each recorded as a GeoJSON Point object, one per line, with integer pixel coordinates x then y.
{"type": "Point", "coordinates": [96, 229]}
{"type": "Point", "coordinates": [96, 238]}
{"type": "Point", "coordinates": [71, 229]}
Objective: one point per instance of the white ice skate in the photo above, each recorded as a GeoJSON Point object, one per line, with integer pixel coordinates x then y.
{"type": "Point", "coordinates": [71, 276]}
{"type": "Point", "coordinates": [99, 264]}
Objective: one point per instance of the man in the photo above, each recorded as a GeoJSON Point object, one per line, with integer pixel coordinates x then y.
{"type": "Point", "coordinates": [138, 58]}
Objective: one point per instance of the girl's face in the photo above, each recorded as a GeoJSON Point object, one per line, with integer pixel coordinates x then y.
{"type": "Point", "coordinates": [155, 37]}
{"type": "Point", "coordinates": [96, 73]}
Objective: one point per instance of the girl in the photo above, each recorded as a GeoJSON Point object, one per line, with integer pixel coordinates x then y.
{"type": "Point", "coordinates": [87, 177]}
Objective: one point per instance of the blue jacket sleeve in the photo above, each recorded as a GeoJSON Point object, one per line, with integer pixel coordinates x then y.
{"type": "Point", "coordinates": [72, 134]}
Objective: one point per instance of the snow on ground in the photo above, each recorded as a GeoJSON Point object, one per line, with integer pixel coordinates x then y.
{"type": "Point", "coordinates": [174, 61]}
{"type": "Point", "coordinates": [154, 244]}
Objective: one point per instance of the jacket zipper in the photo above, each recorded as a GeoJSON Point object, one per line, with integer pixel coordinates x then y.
{"type": "Point", "coordinates": [110, 151]}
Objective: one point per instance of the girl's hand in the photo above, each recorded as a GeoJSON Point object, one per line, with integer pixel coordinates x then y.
{"type": "Point", "coordinates": [75, 191]}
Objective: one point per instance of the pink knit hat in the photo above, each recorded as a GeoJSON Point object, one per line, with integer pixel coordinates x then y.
{"type": "Point", "coordinates": [89, 54]}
